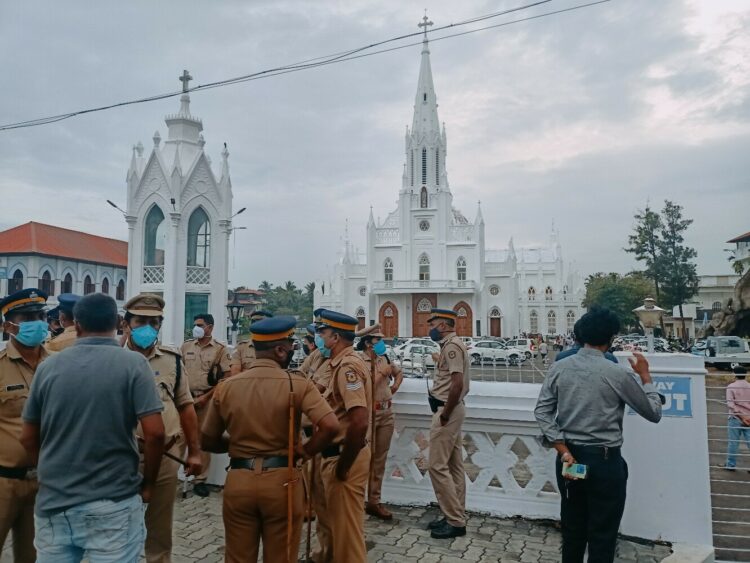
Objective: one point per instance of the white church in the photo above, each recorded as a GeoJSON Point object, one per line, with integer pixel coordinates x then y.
{"type": "Point", "coordinates": [426, 253]}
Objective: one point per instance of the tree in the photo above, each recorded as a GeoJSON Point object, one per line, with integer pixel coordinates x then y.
{"type": "Point", "coordinates": [737, 265]}
{"type": "Point", "coordinates": [310, 290]}
{"type": "Point", "coordinates": [265, 287]}
{"type": "Point", "coordinates": [644, 244]}
{"type": "Point", "coordinates": [620, 294]}
{"type": "Point", "coordinates": [680, 276]}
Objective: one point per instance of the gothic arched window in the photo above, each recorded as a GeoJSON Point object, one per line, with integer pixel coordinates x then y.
{"type": "Point", "coordinates": [551, 322]}
{"type": "Point", "coordinates": [155, 239]}
{"type": "Point", "coordinates": [495, 313]}
{"type": "Point", "coordinates": [388, 270]}
{"type": "Point", "coordinates": [199, 239]}
{"type": "Point", "coordinates": [461, 269]}
{"type": "Point", "coordinates": [411, 168]}
{"type": "Point", "coordinates": [716, 306]}
{"type": "Point", "coordinates": [424, 166]}
{"type": "Point", "coordinates": [67, 284]}
{"type": "Point", "coordinates": [120, 294]}
{"type": "Point", "coordinates": [423, 198]}
{"type": "Point", "coordinates": [46, 283]}
{"type": "Point", "coordinates": [424, 268]}
{"type": "Point", "coordinates": [533, 322]}
{"type": "Point", "coordinates": [424, 305]}
{"type": "Point", "coordinates": [105, 286]}
{"type": "Point", "coordinates": [571, 320]}
{"type": "Point", "coordinates": [532, 293]}
{"type": "Point", "coordinates": [548, 294]}
{"type": "Point", "coordinates": [88, 285]}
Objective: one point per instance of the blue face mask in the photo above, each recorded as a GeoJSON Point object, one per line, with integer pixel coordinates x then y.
{"type": "Point", "coordinates": [325, 352]}
{"type": "Point", "coordinates": [144, 336]}
{"type": "Point", "coordinates": [435, 335]}
{"type": "Point", "coordinates": [31, 333]}
{"type": "Point", "coordinates": [379, 348]}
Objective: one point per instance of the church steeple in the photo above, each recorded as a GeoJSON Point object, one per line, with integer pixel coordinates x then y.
{"type": "Point", "coordinates": [425, 101]}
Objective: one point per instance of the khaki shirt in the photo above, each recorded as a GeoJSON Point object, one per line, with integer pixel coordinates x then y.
{"type": "Point", "coordinates": [199, 359]}
{"type": "Point", "coordinates": [163, 362]}
{"type": "Point", "coordinates": [63, 340]}
{"type": "Point", "coordinates": [253, 407]}
{"type": "Point", "coordinates": [312, 362]}
{"type": "Point", "coordinates": [243, 355]}
{"type": "Point", "coordinates": [387, 373]}
{"type": "Point", "coordinates": [453, 358]}
{"type": "Point", "coordinates": [349, 387]}
{"type": "Point", "coordinates": [15, 383]}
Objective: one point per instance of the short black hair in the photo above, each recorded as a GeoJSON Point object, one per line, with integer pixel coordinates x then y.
{"type": "Point", "coordinates": [208, 318]}
{"type": "Point", "coordinates": [740, 372]}
{"type": "Point", "coordinates": [309, 337]}
{"type": "Point", "coordinates": [129, 316]}
{"type": "Point", "coordinates": [265, 346]}
{"type": "Point", "coordinates": [347, 335]}
{"type": "Point", "coordinates": [68, 314]}
{"type": "Point", "coordinates": [598, 327]}
{"type": "Point", "coordinates": [450, 322]}
{"type": "Point", "coordinates": [96, 312]}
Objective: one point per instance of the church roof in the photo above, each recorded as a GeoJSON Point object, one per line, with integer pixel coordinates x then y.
{"type": "Point", "coordinates": [38, 238]}
{"type": "Point", "coordinates": [741, 238]}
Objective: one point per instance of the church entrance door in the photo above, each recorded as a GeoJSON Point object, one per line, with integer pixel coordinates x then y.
{"type": "Point", "coordinates": [388, 318]}
{"type": "Point", "coordinates": [421, 304]}
{"type": "Point", "coordinates": [495, 327]}
{"type": "Point", "coordinates": [465, 319]}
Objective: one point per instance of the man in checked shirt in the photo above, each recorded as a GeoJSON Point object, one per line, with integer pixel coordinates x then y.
{"type": "Point", "coordinates": [580, 410]}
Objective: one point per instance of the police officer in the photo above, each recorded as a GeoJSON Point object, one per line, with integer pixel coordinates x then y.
{"type": "Point", "coordinates": [346, 464]}
{"type": "Point", "coordinates": [253, 408]}
{"type": "Point", "coordinates": [144, 314]}
{"type": "Point", "coordinates": [244, 354]}
{"type": "Point", "coordinates": [446, 464]}
{"type": "Point", "coordinates": [25, 322]}
{"type": "Point", "coordinates": [53, 322]}
{"type": "Point", "coordinates": [66, 302]}
{"type": "Point", "coordinates": [313, 357]}
{"type": "Point", "coordinates": [386, 379]}
{"type": "Point", "coordinates": [206, 361]}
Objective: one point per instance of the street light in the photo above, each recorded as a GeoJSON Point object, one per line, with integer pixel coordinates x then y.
{"type": "Point", "coordinates": [649, 314]}
{"type": "Point", "coordinates": [113, 204]}
{"type": "Point", "coordinates": [240, 211]}
{"type": "Point", "coordinates": [235, 308]}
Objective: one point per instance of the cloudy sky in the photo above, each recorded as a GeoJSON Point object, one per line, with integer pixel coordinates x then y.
{"type": "Point", "coordinates": [579, 118]}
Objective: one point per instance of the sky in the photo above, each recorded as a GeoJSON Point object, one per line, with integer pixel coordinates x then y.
{"type": "Point", "coordinates": [580, 119]}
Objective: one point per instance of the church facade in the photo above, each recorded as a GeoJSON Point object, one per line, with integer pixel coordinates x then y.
{"type": "Point", "coordinates": [426, 253]}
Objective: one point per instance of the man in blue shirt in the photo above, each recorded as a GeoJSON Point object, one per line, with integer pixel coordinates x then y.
{"type": "Point", "coordinates": [577, 346]}
{"type": "Point", "coordinates": [79, 428]}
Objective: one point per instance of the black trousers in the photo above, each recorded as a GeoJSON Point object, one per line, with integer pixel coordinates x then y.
{"type": "Point", "coordinates": [591, 508]}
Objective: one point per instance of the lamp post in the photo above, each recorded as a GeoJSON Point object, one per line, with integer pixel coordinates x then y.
{"type": "Point", "coordinates": [235, 308]}
{"type": "Point", "coordinates": [649, 314]}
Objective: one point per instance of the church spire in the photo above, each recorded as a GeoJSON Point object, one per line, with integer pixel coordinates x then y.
{"type": "Point", "coordinates": [425, 103]}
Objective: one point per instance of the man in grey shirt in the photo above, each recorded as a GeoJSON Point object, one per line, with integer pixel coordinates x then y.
{"type": "Point", "coordinates": [580, 410]}
{"type": "Point", "coordinates": [79, 423]}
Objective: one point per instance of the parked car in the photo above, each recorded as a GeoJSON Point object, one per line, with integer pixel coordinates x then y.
{"type": "Point", "coordinates": [524, 344]}
{"type": "Point", "coordinates": [418, 353]}
{"type": "Point", "coordinates": [426, 342]}
{"type": "Point", "coordinates": [727, 352]}
{"type": "Point", "coordinates": [493, 351]}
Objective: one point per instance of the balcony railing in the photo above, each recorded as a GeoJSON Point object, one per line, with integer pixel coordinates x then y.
{"type": "Point", "coordinates": [437, 285]}
{"type": "Point", "coordinates": [197, 275]}
{"type": "Point", "coordinates": [153, 274]}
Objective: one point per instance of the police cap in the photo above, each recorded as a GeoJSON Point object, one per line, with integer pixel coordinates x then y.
{"type": "Point", "coordinates": [66, 302]}
{"type": "Point", "coordinates": [332, 319]}
{"type": "Point", "coordinates": [25, 301]}
{"type": "Point", "coordinates": [442, 314]}
{"type": "Point", "coordinates": [146, 305]}
{"type": "Point", "coordinates": [273, 328]}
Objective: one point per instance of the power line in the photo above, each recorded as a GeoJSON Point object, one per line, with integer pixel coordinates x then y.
{"type": "Point", "coordinates": [339, 57]}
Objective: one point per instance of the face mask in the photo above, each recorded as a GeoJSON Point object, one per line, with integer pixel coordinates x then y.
{"type": "Point", "coordinates": [198, 332]}
{"type": "Point", "coordinates": [379, 348]}
{"type": "Point", "coordinates": [435, 335]}
{"type": "Point", "coordinates": [289, 356]}
{"type": "Point", "coordinates": [325, 352]}
{"type": "Point", "coordinates": [144, 336]}
{"type": "Point", "coordinates": [306, 349]}
{"type": "Point", "coordinates": [31, 333]}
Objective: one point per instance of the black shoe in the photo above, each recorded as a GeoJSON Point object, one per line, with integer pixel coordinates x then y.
{"type": "Point", "coordinates": [201, 489]}
{"type": "Point", "coordinates": [437, 523]}
{"type": "Point", "coordinates": [447, 531]}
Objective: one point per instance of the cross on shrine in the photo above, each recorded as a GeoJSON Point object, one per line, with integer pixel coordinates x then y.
{"type": "Point", "coordinates": [425, 23]}
{"type": "Point", "coordinates": [185, 79]}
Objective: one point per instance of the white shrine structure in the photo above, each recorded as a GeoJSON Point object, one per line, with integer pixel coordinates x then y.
{"type": "Point", "coordinates": [426, 254]}
{"type": "Point", "coordinates": [179, 219]}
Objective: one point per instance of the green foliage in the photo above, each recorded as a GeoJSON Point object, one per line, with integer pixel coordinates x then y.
{"type": "Point", "coordinates": [288, 299]}
{"type": "Point", "coordinates": [678, 271]}
{"type": "Point", "coordinates": [644, 244]}
{"type": "Point", "coordinates": [620, 294]}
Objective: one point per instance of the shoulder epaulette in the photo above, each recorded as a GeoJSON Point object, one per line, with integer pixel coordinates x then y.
{"type": "Point", "coordinates": [170, 350]}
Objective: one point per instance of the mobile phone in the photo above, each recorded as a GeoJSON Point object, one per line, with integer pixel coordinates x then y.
{"type": "Point", "coordinates": [574, 470]}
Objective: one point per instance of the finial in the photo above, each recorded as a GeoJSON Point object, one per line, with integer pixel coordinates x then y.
{"type": "Point", "coordinates": [225, 152]}
{"type": "Point", "coordinates": [139, 149]}
{"type": "Point", "coordinates": [157, 139]}
{"type": "Point", "coordinates": [185, 79]}
{"type": "Point", "coordinates": [201, 141]}
{"type": "Point", "coordinates": [425, 24]}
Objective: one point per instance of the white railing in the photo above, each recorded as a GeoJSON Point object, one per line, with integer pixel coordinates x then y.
{"type": "Point", "coordinates": [197, 275]}
{"type": "Point", "coordinates": [424, 284]}
{"type": "Point", "coordinates": [387, 236]}
{"type": "Point", "coordinates": [461, 233]}
{"type": "Point", "coordinates": [153, 274]}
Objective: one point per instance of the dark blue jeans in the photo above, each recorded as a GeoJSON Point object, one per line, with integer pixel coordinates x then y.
{"type": "Point", "coordinates": [591, 508]}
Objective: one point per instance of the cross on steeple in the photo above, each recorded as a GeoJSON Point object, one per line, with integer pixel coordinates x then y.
{"type": "Point", "coordinates": [425, 24]}
{"type": "Point", "coordinates": [185, 79]}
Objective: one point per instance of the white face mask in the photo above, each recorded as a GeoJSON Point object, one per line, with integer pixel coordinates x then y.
{"type": "Point", "coordinates": [198, 332]}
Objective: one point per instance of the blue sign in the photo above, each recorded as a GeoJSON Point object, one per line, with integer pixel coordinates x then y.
{"type": "Point", "coordinates": [677, 398]}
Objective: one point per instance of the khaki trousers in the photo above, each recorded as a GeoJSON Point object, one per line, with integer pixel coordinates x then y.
{"type": "Point", "coordinates": [345, 502]}
{"type": "Point", "coordinates": [384, 424]}
{"type": "Point", "coordinates": [446, 466]}
{"type": "Point", "coordinates": [160, 510]}
{"type": "Point", "coordinates": [205, 456]}
{"type": "Point", "coordinates": [323, 553]}
{"type": "Point", "coordinates": [17, 515]}
{"type": "Point", "coordinates": [255, 508]}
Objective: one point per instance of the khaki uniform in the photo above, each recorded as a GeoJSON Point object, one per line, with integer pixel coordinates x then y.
{"type": "Point", "coordinates": [198, 362]}
{"type": "Point", "coordinates": [16, 495]}
{"type": "Point", "coordinates": [446, 464]}
{"type": "Point", "coordinates": [253, 407]}
{"type": "Point", "coordinates": [348, 388]}
{"type": "Point", "coordinates": [163, 362]}
{"type": "Point", "coordinates": [312, 362]}
{"type": "Point", "coordinates": [385, 374]}
{"type": "Point", "coordinates": [244, 355]}
{"type": "Point", "coordinates": [63, 340]}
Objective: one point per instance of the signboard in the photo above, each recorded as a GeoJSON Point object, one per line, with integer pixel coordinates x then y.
{"type": "Point", "coordinates": [677, 397]}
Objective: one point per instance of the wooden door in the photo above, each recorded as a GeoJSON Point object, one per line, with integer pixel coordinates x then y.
{"type": "Point", "coordinates": [421, 304]}
{"type": "Point", "coordinates": [388, 318]}
{"type": "Point", "coordinates": [464, 320]}
{"type": "Point", "coordinates": [495, 327]}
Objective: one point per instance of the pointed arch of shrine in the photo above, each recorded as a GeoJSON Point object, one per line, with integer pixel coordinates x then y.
{"type": "Point", "coordinates": [388, 318]}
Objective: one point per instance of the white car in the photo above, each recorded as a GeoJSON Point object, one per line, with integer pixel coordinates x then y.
{"type": "Point", "coordinates": [418, 353]}
{"type": "Point", "coordinates": [525, 344]}
{"type": "Point", "coordinates": [494, 351]}
{"type": "Point", "coordinates": [727, 352]}
{"type": "Point", "coordinates": [426, 342]}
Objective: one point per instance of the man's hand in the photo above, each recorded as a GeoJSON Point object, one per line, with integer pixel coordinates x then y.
{"type": "Point", "coordinates": [639, 363]}
{"type": "Point", "coordinates": [745, 420]}
{"type": "Point", "coordinates": [568, 460]}
{"type": "Point", "coordinates": [444, 418]}
{"type": "Point", "coordinates": [146, 491]}
{"type": "Point", "coordinates": [300, 453]}
{"type": "Point", "coordinates": [193, 464]}
{"type": "Point", "coordinates": [342, 472]}
{"type": "Point", "coordinates": [435, 356]}
{"type": "Point", "coordinates": [394, 388]}
{"type": "Point", "coordinates": [201, 402]}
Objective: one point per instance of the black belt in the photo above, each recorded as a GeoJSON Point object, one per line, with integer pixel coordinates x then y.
{"type": "Point", "coordinates": [435, 403]}
{"type": "Point", "coordinates": [272, 462]}
{"type": "Point", "coordinates": [604, 451]}
{"type": "Point", "coordinates": [332, 451]}
{"type": "Point", "coordinates": [20, 473]}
